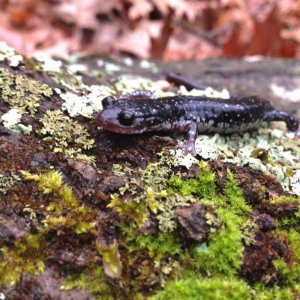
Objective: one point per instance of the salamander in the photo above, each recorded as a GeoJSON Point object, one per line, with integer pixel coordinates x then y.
{"type": "Point", "coordinates": [190, 114]}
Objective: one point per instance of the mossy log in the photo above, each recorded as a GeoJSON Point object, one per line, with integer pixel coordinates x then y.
{"type": "Point", "coordinates": [86, 214]}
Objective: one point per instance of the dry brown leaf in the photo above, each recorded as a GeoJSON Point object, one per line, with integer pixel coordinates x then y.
{"type": "Point", "coordinates": [163, 5]}
{"type": "Point", "coordinates": [159, 43]}
{"type": "Point", "coordinates": [80, 13]}
{"type": "Point", "coordinates": [266, 35]}
{"type": "Point", "coordinates": [191, 9]}
{"type": "Point", "coordinates": [260, 10]}
{"type": "Point", "coordinates": [242, 27]}
{"type": "Point", "coordinates": [138, 41]}
{"type": "Point", "coordinates": [13, 39]}
{"type": "Point", "coordinates": [140, 8]}
{"type": "Point", "coordinates": [186, 46]}
{"type": "Point", "coordinates": [237, 39]}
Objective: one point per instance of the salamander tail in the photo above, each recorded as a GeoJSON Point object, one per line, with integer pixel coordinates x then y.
{"type": "Point", "coordinates": [292, 123]}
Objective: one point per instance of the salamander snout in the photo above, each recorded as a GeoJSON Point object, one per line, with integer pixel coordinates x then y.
{"type": "Point", "coordinates": [121, 120]}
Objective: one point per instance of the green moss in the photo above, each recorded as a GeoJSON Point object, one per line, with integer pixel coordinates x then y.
{"type": "Point", "coordinates": [203, 186]}
{"type": "Point", "coordinates": [222, 254]}
{"type": "Point", "coordinates": [214, 289]}
{"type": "Point", "coordinates": [111, 259]}
{"type": "Point", "coordinates": [207, 188]}
{"type": "Point", "coordinates": [235, 195]}
{"type": "Point", "coordinates": [48, 182]}
{"type": "Point", "coordinates": [284, 199]}
{"type": "Point", "coordinates": [24, 256]}
{"type": "Point", "coordinates": [27, 254]}
{"type": "Point", "coordinates": [135, 211]}
{"type": "Point", "coordinates": [276, 293]}
{"type": "Point", "coordinates": [66, 135]}
{"type": "Point", "coordinates": [130, 210]}
{"type": "Point", "coordinates": [22, 92]}
{"type": "Point", "coordinates": [156, 245]}
{"type": "Point", "coordinates": [289, 272]}
{"type": "Point", "coordinates": [63, 211]}
{"type": "Point", "coordinates": [291, 220]}
{"type": "Point", "coordinates": [51, 182]}
{"type": "Point", "coordinates": [183, 187]}
{"type": "Point", "coordinates": [92, 279]}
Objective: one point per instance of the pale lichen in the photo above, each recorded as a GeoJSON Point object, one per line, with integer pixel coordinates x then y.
{"type": "Point", "coordinates": [87, 103]}
{"type": "Point", "coordinates": [157, 174]}
{"type": "Point", "coordinates": [67, 79]}
{"type": "Point", "coordinates": [271, 150]}
{"type": "Point", "coordinates": [47, 63]}
{"type": "Point", "coordinates": [295, 182]}
{"type": "Point", "coordinates": [146, 64]}
{"type": "Point", "coordinates": [122, 170]}
{"type": "Point", "coordinates": [7, 53]}
{"type": "Point", "coordinates": [207, 92]}
{"type": "Point", "coordinates": [166, 218]}
{"type": "Point", "coordinates": [108, 67]}
{"type": "Point", "coordinates": [22, 92]}
{"type": "Point", "coordinates": [126, 84]}
{"type": "Point", "coordinates": [7, 181]}
{"type": "Point", "coordinates": [11, 120]}
{"type": "Point", "coordinates": [66, 135]}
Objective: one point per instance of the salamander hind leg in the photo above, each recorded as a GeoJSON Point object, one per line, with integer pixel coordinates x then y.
{"type": "Point", "coordinates": [292, 123]}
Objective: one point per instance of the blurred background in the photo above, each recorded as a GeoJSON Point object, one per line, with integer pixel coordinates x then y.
{"type": "Point", "coordinates": [157, 29]}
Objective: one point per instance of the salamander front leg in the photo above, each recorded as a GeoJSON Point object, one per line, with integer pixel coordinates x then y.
{"type": "Point", "coordinates": [189, 145]}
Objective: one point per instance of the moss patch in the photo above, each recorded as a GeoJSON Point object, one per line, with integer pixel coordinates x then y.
{"type": "Point", "coordinates": [215, 289]}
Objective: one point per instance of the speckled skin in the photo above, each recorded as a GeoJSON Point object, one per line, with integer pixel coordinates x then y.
{"type": "Point", "coordinates": [189, 114]}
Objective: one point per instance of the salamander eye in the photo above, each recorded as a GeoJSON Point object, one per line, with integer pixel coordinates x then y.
{"type": "Point", "coordinates": [126, 118]}
{"type": "Point", "coordinates": [108, 101]}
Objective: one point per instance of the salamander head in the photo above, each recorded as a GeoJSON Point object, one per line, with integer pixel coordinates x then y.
{"type": "Point", "coordinates": [123, 116]}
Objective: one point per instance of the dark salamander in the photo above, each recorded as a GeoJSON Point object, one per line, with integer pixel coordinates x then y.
{"type": "Point", "coordinates": [191, 114]}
